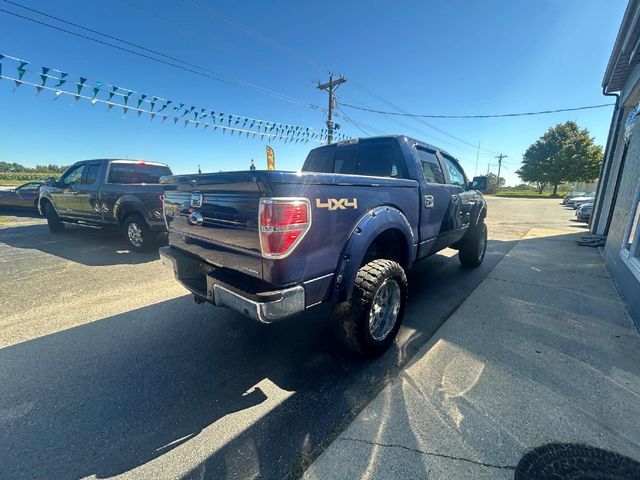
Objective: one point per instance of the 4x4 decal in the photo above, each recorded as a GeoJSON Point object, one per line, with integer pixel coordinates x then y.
{"type": "Point", "coordinates": [337, 203]}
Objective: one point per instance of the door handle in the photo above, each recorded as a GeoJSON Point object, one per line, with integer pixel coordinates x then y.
{"type": "Point", "coordinates": [428, 201]}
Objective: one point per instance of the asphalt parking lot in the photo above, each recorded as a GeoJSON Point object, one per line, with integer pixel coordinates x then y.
{"type": "Point", "coordinates": [109, 369]}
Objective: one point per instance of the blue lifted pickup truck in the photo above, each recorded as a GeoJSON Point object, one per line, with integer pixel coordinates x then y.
{"type": "Point", "coordinates": [344, 230]}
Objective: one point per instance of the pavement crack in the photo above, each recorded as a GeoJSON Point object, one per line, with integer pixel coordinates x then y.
{"type": "Point", "coordinates": [429, 454]}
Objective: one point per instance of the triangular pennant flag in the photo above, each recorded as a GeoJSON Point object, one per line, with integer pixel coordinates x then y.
{"type": "Point", "coordinates": [22, 70]}
{"type": "Point", "coordinates": [206, 125]}
{"type": "Point", "coordinates": [186, 122]}
{"type": "Point", "coordinates": [94, 101]}
{"type": "Point", "coordinates": [81, 84]}
{"type": "Point", "coordinates": [164, 117]}
{"type": "Point", "coordinates": [175, 120]}
{"type": "Point", "coordinates": [96, 89]}
{"type": "Point", "coordinates": [38, 89]}
{"type": "Point", "coordinates": [58, 93]}
{"type": "Point", "coordinates": [152, 115]}
{"type": "Point", "coordinates": [114, 89]}
{"type": "Point", "coordinates": [139, 112]}
{"type": "Point", "coordinates": [109, 105]}
{"type": "Point", "coordinates": [153, 102]}
{"type": "Point", "coordinates": [125, 109]}
{"type": "Point", "coordinates": [44, 76]}
{"type": "Point", "coordinates": [18, 83]}
{"type": "Point", "coordinates": [61, 79]}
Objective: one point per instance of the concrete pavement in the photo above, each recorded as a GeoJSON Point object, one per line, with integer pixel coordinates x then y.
{"type": "Point", "coordinates": [109, 369]}
{"type": "Point", "coordinates": [542, 351]}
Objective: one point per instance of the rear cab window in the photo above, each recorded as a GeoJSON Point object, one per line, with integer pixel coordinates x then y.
{"type": "Point", "coordinates": [376, 159]}
{"type": "Point", "coordinates": [136, 172]}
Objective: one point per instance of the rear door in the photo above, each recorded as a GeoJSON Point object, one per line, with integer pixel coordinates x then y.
{"type": "Point", "coordinates": [462, 199]}
{"type": "Point", "coordinates": [435, 199]}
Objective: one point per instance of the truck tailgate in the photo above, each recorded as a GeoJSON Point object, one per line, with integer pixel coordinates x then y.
{"type": "Point", "coordinates": [215, 216]}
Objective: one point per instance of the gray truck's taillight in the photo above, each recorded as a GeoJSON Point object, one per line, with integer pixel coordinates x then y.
{"type": "Point", "coordinates": [283, 222]}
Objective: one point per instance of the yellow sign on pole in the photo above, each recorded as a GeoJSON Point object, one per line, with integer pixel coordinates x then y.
{"type": "Point", "coordinates": [271, 159]}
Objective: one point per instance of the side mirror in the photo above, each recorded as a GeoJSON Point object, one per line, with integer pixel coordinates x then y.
{"type": "Point", "coordinates": [12, 190]}
{"type": "Point", "coordinates": [51, 181]}
{"type": "Point", "coordinates": [479, 183]}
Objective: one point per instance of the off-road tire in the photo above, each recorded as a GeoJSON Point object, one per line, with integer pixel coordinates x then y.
{"type": "Point", "coordinates": [473, 248]}
{"type": "Point", "coordinates": [146, 240]}
{"type": "Point", "coordinates": [350, 319]}
{"type": "Point", "coordinates": [53, 220]}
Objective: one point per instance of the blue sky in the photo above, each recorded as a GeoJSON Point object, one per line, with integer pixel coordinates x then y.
{"type": "Point", "coordinates": [455, 57]}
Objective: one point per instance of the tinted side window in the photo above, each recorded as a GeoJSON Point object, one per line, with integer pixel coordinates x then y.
{"type": "Point", "coordinates": [430, 165]}
{"type": "Point", "coordinates": [92, 174]}
{"type": "Point", "coordinates": [456, 176]}
{"type": "Point", "coordinates": [379, 160]}
{"type": "Point", "coordinates": [136, 173]}
{"type": "Point", "coordinates": [73, 176]}
{"type": "Point", "coordinates": [29, 186]}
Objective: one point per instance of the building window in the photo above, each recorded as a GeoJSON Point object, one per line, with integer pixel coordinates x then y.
{"type": "Point", "coordinates": [631, 247]}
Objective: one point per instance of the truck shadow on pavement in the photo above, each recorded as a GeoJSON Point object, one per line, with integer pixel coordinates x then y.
{"type": "Point", "coordinates": [88, 246]}
{"type": "Point", "coordinates": [129, 390]}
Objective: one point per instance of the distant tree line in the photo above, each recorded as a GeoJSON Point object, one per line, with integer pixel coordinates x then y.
{"type": "Point", "coordinates": [18, 168]}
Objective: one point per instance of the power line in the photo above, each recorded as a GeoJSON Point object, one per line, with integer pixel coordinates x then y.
{"type": "Point", "coordinates": [204, 72]}
{"type": "Point", "coordinates": [213, 41]}
{"type": "Point", "coordinates": [295, 53]}
{"type": "Point", "coordinates": [359, 125]}
{"type": "Point", "coordinates": [260, 36]}
{"type": "Point", "coordinates": [499, 115]}
{"type": "Point", "coordinates": [437, 129]}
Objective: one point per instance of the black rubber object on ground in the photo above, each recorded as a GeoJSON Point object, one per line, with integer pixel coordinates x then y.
{"type": "Point", "coordinates": [570, 461]}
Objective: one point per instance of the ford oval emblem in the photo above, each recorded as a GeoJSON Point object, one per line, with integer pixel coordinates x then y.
{"type": "Point", "coordinates": [195, 218]}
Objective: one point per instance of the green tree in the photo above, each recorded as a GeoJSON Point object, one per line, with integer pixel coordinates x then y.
{"type": "Point", "coordinates": [493, 182]}
{"type": "Point", "coordinates": [565, 153]}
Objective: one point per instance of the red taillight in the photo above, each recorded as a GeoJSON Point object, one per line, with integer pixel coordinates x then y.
{"type": "Point", "coordinates": [283, 223]}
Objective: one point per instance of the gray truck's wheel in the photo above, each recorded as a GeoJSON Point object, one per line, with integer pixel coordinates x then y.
{"type": "Point", "coordinates": [137, 233]}
{"type": "Point", "coordinates": [53, 220]}
{"type": "Point", "coordinates": [474, 247]}
{"type": "Point", "coordinates": [368, 322]}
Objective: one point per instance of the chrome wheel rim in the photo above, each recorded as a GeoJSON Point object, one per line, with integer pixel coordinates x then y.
{"type": "Point", "coordinates": [135, 234]}
{"type": "Point", "coordinates": [384, 309]}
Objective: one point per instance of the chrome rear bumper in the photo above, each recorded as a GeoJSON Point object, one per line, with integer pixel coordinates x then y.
{"type": "Point", "coordinates": [264, 307]}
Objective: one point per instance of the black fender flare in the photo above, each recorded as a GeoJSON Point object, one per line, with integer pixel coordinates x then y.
{"type": "Point", "coordinates": [129, 204]}
{"type": "Point", "coordinates": [42, 199]}
{"type": "Point", "coordinates": [368, 228]}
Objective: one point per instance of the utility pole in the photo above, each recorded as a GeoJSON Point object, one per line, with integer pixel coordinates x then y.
{"type": "Point", "coordinates": [499, 157]}
{"type": "Point", "coordinates": [477, 158]}
{"type": "Point", "coordinates": [330, 87]}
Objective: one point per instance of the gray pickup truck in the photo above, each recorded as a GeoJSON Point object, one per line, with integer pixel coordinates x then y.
{"type": "Point", "coordinates": [124, 193]}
